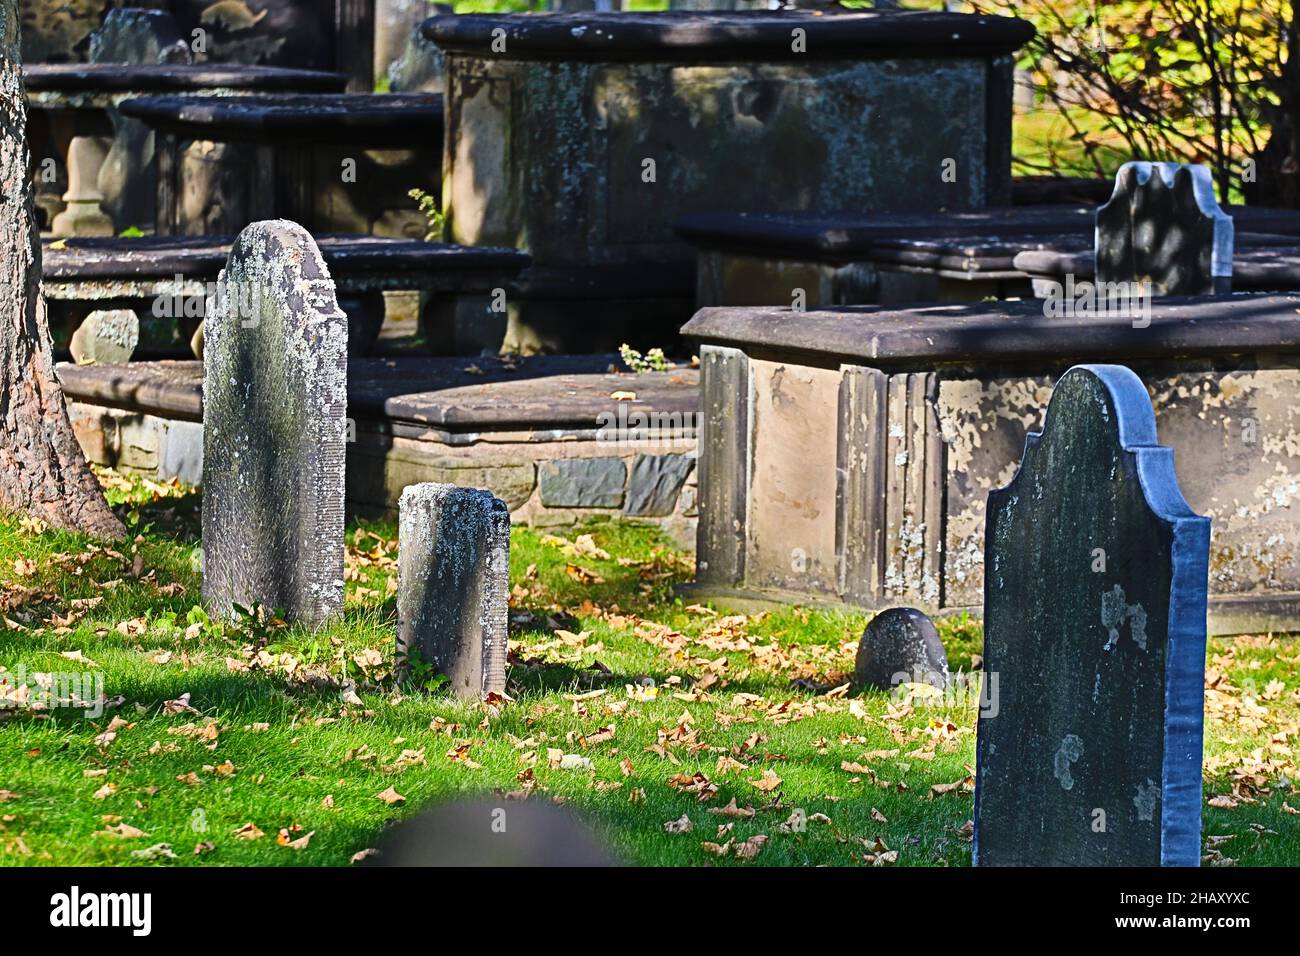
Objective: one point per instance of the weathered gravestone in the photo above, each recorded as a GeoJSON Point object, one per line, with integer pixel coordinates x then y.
{"type": "Point", "coordinates": [900, 645]}
{"type": "Point", "coordinates": [1096, 577]}
{"type": "Point", "coordinates": [106, 337]}
{"type": "Point", "coordinates": [1163, 225]}
{"type": "Point", "coordinates": [453, 585]}
{"type": "Point", "coordinates": [275, 396]}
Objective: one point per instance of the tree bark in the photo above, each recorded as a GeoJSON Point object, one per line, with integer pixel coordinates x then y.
{"type": "Point", "coordinates": [43, 472]}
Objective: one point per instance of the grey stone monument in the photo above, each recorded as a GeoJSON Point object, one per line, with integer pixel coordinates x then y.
{"type": "Point", "coordinates": [106, 338]}
{"type": "Point", "coordinates": [453, 585]}
{"type": "Point", "coordinates": [1096, 578]}
{"type": "Point", "coordinates": [274, 427]}
{"type": "Point", "coordinates": [900, 645]}
{"type": "Point", "coordinates": [1162, 224]}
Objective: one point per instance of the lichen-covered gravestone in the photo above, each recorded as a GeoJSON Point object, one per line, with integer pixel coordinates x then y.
{"type": "Point", "coordinates": [1096, 576]}
{"type": "Point", "coordinates": [453, 585]}
{"type": "Point", "coordinates": [900, 645]}
{"type": "Point", "coordinates": [1162, 224]}
{"type": "Point", "coordinates": [274, 427]}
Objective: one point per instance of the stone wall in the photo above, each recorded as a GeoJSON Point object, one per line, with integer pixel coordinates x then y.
{"type": "Point", "coordinates": [547, 481]}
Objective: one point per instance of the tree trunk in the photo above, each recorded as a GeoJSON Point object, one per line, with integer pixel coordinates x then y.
{"type": "Point", "coordinates": [42, 469]}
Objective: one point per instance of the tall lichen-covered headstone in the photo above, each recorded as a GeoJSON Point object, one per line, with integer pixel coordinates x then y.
{"type": "Point", "coordinates": [274, 427]}
{"type": "Point", "coordinates": [453, 586]}
{"type": "Point", "coordinates": [1096, 574]}
{"type": "Point", "coordinates": [1162, 224]}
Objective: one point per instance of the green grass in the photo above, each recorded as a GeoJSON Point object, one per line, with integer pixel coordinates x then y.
{"type": "Point", "coordinates": [295, 751]}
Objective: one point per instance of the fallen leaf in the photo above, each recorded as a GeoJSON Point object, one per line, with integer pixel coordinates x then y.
{"type": "Point", "coordinates": [681, 825]}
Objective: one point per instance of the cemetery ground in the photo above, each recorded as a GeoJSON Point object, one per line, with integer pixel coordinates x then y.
{"type": "Point", "coordinates": [265, 744]}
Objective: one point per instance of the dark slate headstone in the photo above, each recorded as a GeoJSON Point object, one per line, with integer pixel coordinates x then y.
{"type": "Point", "coordinates": [1163, 224]}
{"type": "Point", "coordinates": [656, 482]}
{"type": "Point", "coordinates": [900, 645]}
{"type": "Point", "coordinates": [274, 428]}
{"type": "Point", "coordinates": [453, 585]}
{"type": "Point", "coordinates": [582, 482]}
{"type": "Point", "coordinates": [1096, 575]}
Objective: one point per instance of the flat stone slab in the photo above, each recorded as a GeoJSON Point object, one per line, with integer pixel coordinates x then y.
{"type": "Point", "coordinates": [746, 35]}
{"type": "Point", "coordinates": [375, 121]}
{"type": "Point", "coordinates": [165, 77]}
{"type": "Point", "coordinates": [454, 394]}
{"type": "Point", "coordinates": [851, 237]}
{"type": "Point", "coordinates": [1260, 263]}
{"type": "Point", "coordinates": [354, 261]}
{"type": "Point", "coordinates": [1017, 331]}
{"type": "Point", "coordinates": [847, 237]}
{"type": "Point", "coordinates": [582, 482]}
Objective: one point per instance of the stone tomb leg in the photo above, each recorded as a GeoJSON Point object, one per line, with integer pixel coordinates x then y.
{"type": "Point", "coordinates": [274, 428]}
{"type": "Point", "coordinates": [454, 585]}
{"type": "Point", "coordinates": [1089, 752]}
{"type": "Point", "coordinates": [1163, 225]}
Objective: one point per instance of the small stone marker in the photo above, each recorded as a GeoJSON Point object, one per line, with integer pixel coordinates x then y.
{"type": "Point", "coordinates": [453, 585]}
{"type": "Point", "coordinates": [1163, 224]}
{"type": "Point", "coordinates": [106, 338]}
{"type": "Point", "coordinates": [1096, 578]}
{"type": "Point", "coordinates": [900, 645]}
{"type": "Point", "coordinates": [274, 426]}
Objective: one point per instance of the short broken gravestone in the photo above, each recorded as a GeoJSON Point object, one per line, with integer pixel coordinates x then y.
{"type": "Point", "coordinates": [274, 426]}
{"type": "Point", "coordinates": [900, 645]}
{"type": "Point", "coordinates": [1096, 578]}
{"type": "Point", "coordinates": [1163, 225]}
{"type": "Point", "coordinates": [106, 338]}
{"type": "Point", "coordinates": [453, 587]}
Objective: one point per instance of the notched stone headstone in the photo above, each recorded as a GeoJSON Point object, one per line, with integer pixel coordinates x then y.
{"type": "Point", "coordinates": [1092, 754]}
{"type": "Point", "coordinates": [106, 338]}
{"type": "Point", "coordinates": [900, 645]}
{"type": "Point", "coordinates": [453, 585]}
{"type": "Point", "coordinates": [274, 428]}
{"type": "Point", "coordinates": [1163, 225]}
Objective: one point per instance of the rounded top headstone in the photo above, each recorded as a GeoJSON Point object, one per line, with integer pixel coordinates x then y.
{"type": "Point", "coordinates": [733, 35]}
{"type": "Point", "coordinates": [900, 645]}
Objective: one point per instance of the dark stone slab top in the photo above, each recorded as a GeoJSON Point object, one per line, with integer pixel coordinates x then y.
{"type": "Point", "coordinates": [375, 121]}
{"type": "Point", "coordinates": [851, 237]}
{"type": "Point", "coordinates": [452, 393]}
{"type": "Point", "coordinates": [1009, 331]}
{"type": "Point", "coordinates": [1260, 263]}
{"type": "Point", "coordinates": [167, 77]}
{"type": "Point", "coordinates": [202, 257]}
{"type": "Point", "coordinates": [848, 237]}
{"type": "Point", "coordinates": [719, 36]}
